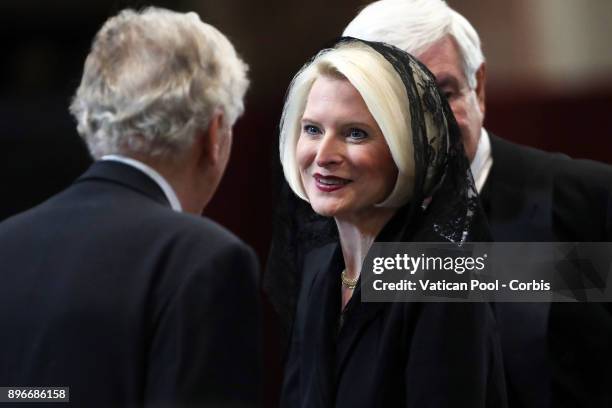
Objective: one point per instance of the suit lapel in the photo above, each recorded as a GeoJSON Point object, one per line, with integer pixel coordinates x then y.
{"type": "Point", "coordinates": [519, 207]}
{"type": "Point", "coordinates": [126, 176]}
{"type": "Point", "coordinates": [517, 204]}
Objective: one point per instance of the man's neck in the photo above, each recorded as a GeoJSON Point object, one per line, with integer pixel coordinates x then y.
{"type": "Point", "coordinates": [151, 172]}
{"type": "Point", "coordinates": [185, 180]}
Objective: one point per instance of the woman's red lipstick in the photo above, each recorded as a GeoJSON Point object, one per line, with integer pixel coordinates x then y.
{"type": "Point", "coordinates": [328, 184]}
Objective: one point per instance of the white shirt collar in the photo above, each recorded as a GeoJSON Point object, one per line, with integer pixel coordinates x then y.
{"type": "Point", "coordinates": [151, 172]}
{"type": "Point", "coordinates": [483, 160]}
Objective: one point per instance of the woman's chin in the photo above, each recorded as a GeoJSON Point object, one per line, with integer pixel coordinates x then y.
{"type": "Point", "coordinates": [325, 210]}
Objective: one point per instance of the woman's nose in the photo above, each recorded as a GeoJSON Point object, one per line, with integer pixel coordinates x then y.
{"type": "Point", "coordinates": [329, 151]}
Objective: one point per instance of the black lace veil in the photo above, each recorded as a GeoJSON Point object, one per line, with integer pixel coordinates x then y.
{"type": "Point", "coordinates": [444, 206]}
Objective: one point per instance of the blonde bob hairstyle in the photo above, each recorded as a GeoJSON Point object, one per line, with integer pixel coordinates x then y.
{"type": "Point", "coordinates": [384, 94]}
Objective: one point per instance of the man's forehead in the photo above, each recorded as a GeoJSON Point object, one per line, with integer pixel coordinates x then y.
{"type": "Point", "coordinates": [443, 59]}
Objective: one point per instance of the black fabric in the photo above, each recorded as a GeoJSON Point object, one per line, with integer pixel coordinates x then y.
{"type": "Point", "coordinates": [402, 354]}
{"type": "Point", "coordinates": [106, 290]}
{"type": "Point", "coordinates": [531, 195]}
{"type": "Point", "coordinates": [388, 354]}
{"type": "Point", "coordinates": [555, 355]}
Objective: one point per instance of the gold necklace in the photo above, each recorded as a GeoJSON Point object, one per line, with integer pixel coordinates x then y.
{"type": "Point", "coordinates": [348, 282]}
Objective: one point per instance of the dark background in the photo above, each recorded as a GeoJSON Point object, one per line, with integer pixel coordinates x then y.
{"type": "Point", "coordinates": [44, 44]}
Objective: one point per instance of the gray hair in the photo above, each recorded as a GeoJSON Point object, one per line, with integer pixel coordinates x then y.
{"type": "Point", "coordinates": [415, 25]}
{"type": "Point", "coordinates": [152, 79]}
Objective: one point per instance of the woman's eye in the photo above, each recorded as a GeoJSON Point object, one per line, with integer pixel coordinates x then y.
{"type": "Point", "coordinates": [357, 134]}
{"type": "Point", "coordinates": [311, 130]}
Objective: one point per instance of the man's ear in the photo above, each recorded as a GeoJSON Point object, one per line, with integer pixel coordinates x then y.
{"type": "Point", "coordinates": [209, 139]}
{"type": "Point", "coordinates": [481, 80]}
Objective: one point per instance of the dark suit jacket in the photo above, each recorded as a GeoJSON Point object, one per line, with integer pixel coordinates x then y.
{"type": "Point", "coordinates": [387, 354]}
{"type": "Point", "coordinates": [555, 355]}
{"type": "Point", "coordinates": [106, 290]}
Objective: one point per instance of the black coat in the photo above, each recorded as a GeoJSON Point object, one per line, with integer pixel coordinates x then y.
{"type": "Point", "coordinates": [555, 355]}
{"type": "Point", "coordinates": [387, 354]}
{"type": "Point", "coordinates": [106, 290]}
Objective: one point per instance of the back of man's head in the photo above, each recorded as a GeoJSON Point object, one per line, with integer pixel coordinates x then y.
{"type": "Point", "coordinates": [414, 25]}
{"type": "Point", "coordinates": [152, 79]}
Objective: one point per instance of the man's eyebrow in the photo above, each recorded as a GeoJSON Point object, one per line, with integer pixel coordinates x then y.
{"type": "Point", "coordinates": [445, 79]}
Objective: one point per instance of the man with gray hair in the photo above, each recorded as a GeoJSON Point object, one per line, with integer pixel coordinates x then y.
{"type": "Point", "coordinates": [528, 195]}
{"type": "Point", "coordinates": [117, 287]}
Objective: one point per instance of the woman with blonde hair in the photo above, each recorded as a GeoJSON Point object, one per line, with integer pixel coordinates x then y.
{"type": "Point", "coordinates": [371, 153]}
